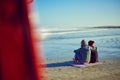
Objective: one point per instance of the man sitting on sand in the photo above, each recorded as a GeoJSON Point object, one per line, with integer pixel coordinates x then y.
{"type": "Point", "coordinates": [82, 55]}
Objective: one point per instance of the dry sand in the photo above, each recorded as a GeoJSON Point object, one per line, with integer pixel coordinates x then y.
{"type": "Point", "coordinates": [62, 70]}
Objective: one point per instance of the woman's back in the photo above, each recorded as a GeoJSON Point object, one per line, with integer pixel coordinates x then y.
{"type": "Point", "coordinates": [94, 54]}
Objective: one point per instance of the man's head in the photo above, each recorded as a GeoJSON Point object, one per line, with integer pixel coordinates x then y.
{"type": "Point", "coordinates": [83, 43]}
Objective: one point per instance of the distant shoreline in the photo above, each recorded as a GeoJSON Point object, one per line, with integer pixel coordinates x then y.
{"type": "Point", "coordinates": [107, 27]}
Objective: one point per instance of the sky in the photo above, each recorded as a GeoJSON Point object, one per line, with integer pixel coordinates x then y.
{"type": "Point", "coordinates": [78, 13]}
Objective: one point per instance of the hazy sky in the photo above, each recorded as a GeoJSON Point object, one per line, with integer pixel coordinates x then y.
{"type": "Point", "coordinates": [79, 13]}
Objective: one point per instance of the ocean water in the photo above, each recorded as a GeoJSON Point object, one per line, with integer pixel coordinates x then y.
{"type": "Point", "coordinates": [59, 43]}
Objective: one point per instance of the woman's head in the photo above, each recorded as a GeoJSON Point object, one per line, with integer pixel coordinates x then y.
{"type": "Point", "coordinates": [90, 43]}
{"type": "Point", "coordinates": [83, 43]}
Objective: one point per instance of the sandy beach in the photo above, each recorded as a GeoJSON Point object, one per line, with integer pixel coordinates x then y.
{"type": "Point", "coordinates": [58, 52]}
{"type": "Point", "coordinates": [62, 70]}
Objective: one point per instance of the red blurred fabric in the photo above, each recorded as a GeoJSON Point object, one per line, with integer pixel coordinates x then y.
{"type": "Point", "coordinates": [18, 56]}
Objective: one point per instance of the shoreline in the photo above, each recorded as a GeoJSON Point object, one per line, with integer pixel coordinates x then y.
{"type": "Point", "coordinates": [61, 69]}
{"type": "Point", "coordinates": [54, 60]}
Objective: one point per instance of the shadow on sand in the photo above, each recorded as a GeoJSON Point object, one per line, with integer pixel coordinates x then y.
{"type": "Point", "coordinates": [60, 64]}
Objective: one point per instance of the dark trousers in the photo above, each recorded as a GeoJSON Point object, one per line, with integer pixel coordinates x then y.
{"type": "Point", "coordinates": [94, 57]}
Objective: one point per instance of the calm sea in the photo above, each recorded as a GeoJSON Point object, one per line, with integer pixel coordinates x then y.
{"type": "Point", "coordinates": [59, 43]}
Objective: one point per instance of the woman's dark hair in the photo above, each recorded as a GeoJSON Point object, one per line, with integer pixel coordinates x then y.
{"type": "Point", "coordinates": [91, 42]}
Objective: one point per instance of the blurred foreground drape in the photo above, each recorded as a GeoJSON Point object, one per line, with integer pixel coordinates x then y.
{"type": "Point", "coordinates": [18, 55]}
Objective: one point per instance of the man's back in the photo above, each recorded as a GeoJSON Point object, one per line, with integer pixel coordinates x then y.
{"type": "Point", "coordinates": [82, 53]}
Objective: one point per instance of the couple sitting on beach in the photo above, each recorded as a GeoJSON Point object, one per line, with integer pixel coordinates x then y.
{"type": "Point", "coordinates": [86, 53]}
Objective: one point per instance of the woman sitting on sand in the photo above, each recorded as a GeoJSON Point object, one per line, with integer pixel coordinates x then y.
{"type": "Point", "coordinates": [82, 55]}
{"type": "Point", "coordinates": [94, 52]}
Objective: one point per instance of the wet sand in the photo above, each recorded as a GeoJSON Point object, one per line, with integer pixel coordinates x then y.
{"type": "Point", "coordinates": [62, 70]}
